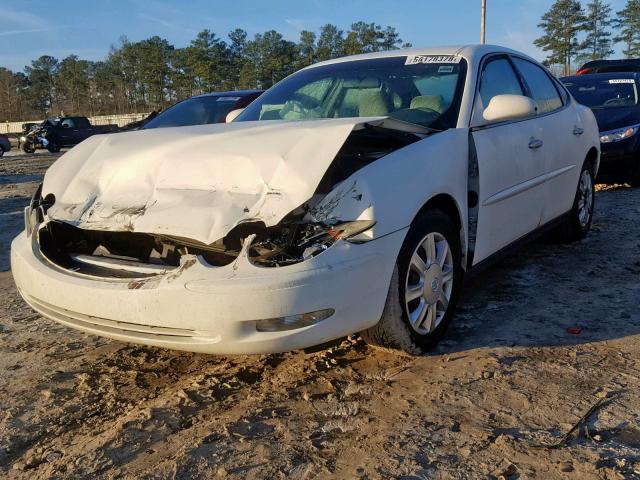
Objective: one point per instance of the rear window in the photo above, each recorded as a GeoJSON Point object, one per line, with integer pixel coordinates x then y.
{"type": "Point", "coordinates": [605, 93]}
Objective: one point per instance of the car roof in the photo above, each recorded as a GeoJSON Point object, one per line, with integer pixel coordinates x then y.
{"type": "Point", "coordinates": [471, 53]}
{"type": "Point", "coordinates": [589, 77]}
{"type": "Point", "coordinates": [622, 61]}
{"type": "Point", "coordinates": [234, 93]}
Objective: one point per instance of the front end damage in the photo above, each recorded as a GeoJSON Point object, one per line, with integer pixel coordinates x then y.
{"type": "Point", "coordinates": [86, 240]}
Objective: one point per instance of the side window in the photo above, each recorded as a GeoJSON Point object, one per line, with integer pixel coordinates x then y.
{"type": "Point", "coordinates": [498, 78]}
{"type": "Point", "coordinates": [68, 123]}
{"type": "Point", "coordinates": [82, 122]}
{"type": "Point", "coordinates": [542, 88]}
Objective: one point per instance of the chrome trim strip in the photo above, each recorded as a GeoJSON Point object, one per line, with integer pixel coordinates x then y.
{"type": "Point", "coordinates": [524, 186]}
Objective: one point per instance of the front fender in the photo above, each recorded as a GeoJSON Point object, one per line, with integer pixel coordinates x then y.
{"type": "Point", "coordinates": [394, 188]}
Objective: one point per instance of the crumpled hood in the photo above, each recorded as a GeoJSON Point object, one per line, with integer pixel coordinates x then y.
{"type": "Point", "coordinates": [194, 182]}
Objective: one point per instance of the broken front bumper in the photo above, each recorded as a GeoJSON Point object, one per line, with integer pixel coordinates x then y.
{"type": "Point", "coordinates": [201, 308]}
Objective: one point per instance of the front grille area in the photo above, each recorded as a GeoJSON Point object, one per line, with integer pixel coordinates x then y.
{"type": "Point", "coordinates": [109, 327]}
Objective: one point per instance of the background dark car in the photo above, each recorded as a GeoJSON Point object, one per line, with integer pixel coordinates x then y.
{"type": "Point", "coordinates": [610, 66]}
{"type": "Point", "coordinates": [5, 144]}
{"type": "Point", "coordinates": [614, 99]}
{"type": "Point", "coordinates": [70, 131]}
{"type": "Point", "coordinates": [203, 109]}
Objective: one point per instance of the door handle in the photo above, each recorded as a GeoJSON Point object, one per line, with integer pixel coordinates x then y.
{"type": "Point", "coordinates": [535, 143]}
{"type": "Point", "coordinates": [577, 131]}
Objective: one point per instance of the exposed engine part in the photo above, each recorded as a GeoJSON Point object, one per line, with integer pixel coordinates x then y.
{"type": "Point", "coordinates": [277, 246]}
{"type": "Point", "coordinates": [362, 147]}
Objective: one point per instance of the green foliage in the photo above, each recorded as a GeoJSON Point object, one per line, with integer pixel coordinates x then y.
{"type": "Point", "coordinates": [561, 26]}
{"type": "Point", "coordinates": [628, 24]}
{"type": "Point", "coordinates": [152, 73]}
{"type": "Point", "coordinates": [597, 25]}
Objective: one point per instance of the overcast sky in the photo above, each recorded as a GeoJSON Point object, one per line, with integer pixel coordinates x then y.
{"type": "Point", "coordinates": [87, 28]}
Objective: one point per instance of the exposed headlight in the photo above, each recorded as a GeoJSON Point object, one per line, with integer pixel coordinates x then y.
{"type": "Point", "coordinates": [292, 322]}
{"type": "Point", "coordinates": [620, 134]}
{"type": "Point", "coordinates": [23, 139]}
{"type": "Point", "coordinates": [296, 242]}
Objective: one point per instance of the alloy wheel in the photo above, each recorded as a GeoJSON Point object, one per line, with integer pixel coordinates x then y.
{"type": "Point", "coordinates": [429, 283]}
{"type": "Point", "coordinates": [585, 198]}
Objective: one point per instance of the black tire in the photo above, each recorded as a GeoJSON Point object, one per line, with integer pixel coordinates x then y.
{"type": "Point", "coordinates": [575, 227]}
{"type": "Point", "coordinates": [28, 147]}
{"type": "Point", "coordinates": [635, 176]}
{"type": "Point", "coordinates": [1, 151]}
{"type": "Point", "coordinates": [53, 147]}
{"type": "Point", "coordinates": [394, 330]}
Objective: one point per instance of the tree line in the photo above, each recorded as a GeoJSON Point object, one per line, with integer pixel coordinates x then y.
{"type": "Point", "coordinates": [573, 33]}
{"type": "Point", "coordinates": [152, 73]}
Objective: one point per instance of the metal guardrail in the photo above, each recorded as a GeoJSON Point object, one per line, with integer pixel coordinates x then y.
{"type": "Point", "coordinates": [120, 120]}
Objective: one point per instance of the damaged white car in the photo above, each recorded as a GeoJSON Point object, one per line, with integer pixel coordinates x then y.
{"type": "Point", "coordinates": [353, 196]}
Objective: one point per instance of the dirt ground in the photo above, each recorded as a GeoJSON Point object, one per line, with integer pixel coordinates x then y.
{"type": "Point", "coordinates": [508, 382]}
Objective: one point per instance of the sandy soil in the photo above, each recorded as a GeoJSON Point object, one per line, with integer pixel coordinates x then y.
{"type": "Point", "coordinates": [507, 382]}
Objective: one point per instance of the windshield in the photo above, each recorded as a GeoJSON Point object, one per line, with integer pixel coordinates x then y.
{"type": "Point", "coordinates": [608, 93]}
{"type": "Point", "coordinates": [420, 89]}
{"type": "Point", "coordinates": [195, 111]}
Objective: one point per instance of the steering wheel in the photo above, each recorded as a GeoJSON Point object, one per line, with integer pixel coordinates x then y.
{"type": "Point", "coordinates": [306, 101]}
{"type": "Point", "coordinates": [614, 101]}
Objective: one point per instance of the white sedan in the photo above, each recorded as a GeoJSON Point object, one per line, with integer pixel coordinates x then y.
{"type": "Point", "coordinates": [353, 196]}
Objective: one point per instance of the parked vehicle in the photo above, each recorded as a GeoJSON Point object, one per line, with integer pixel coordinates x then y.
{"type": "Point", "coordinates": [70, 131]}
{"type": "Point", "coordinates": [5, 144]}
{"type": "Point", "coordinates": [352, 196]}
{"type": "Point", "coordinates": [610, 66]}
{"type": "Point", "coordinates": [203, 109]}
{"type": "Point", "coordinates": [35, 138]}
{"type": "Point", "coordinates": [26, 128]}
{"type": "Point", "coordinates": [615, 101]}
{"type": "Point", "coordinates": [138, 124]}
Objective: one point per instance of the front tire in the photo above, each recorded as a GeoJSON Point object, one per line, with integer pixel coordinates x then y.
{"type": "Point", "coordinates": [424, 288]}
{"type": "Point", "coordinates": [1, 152]}
{"type": "Point", "coordinates": [53, 147]}
{"type": "Point", "coordinates": [28, 147]}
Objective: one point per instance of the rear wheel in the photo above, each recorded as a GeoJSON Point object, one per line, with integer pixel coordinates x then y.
{"type": "Point", "coordinates": [635, 177]}
{"type": "Point", "coordinates": [53, 147]}
{"type": "Point", "coordinates": [28, 147]}
{"type": "Point", "coordinates": [577, 224]}
{"type": "Point", "coordinates": [424, 287]}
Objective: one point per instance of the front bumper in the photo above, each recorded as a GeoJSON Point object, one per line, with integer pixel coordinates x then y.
{"type": "Point", "coordinates": [207, 309]}
{"type": "Point", "coordinates": [620, 159]}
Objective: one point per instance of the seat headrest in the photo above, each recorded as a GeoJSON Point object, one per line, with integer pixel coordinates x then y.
{"type": "Point", "coordinates": [372, 103]}
{"type": "Point", "coordinates": [431, 102]}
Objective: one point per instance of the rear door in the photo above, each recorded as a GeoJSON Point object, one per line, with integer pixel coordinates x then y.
{"type": "Point", "coordinates": [82, 130]}
{"type": "Point", "coordinates": [510, 157]}
{"type": "Point", "coordinates": [561, 131]}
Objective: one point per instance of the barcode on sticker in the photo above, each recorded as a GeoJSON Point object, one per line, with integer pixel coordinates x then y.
{"type": "Point", "coordinates": [422, 59]}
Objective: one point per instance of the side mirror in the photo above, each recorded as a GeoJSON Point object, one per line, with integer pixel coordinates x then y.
{"type": "Point", "coordinates": [231, 116]}
{"type": "Point", "coordinates": [509, 107]}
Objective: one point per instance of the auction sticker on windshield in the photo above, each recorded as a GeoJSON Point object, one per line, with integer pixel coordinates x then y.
{"type": "Point", "coordinates": [422, 59]}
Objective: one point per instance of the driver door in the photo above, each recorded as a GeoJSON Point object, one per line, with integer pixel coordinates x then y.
{"type": "Point", "coordinates": [511, 164]}
{"type": "Point", "coordinates": [66, 131]}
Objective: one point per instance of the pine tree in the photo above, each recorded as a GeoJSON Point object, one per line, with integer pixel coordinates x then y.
{"type": "Point", "coordinates": [561, 25]}
{"type": "Point", "coordinates": [598, 43]}
{"type": "Point", "coordinates": [628, 23]}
